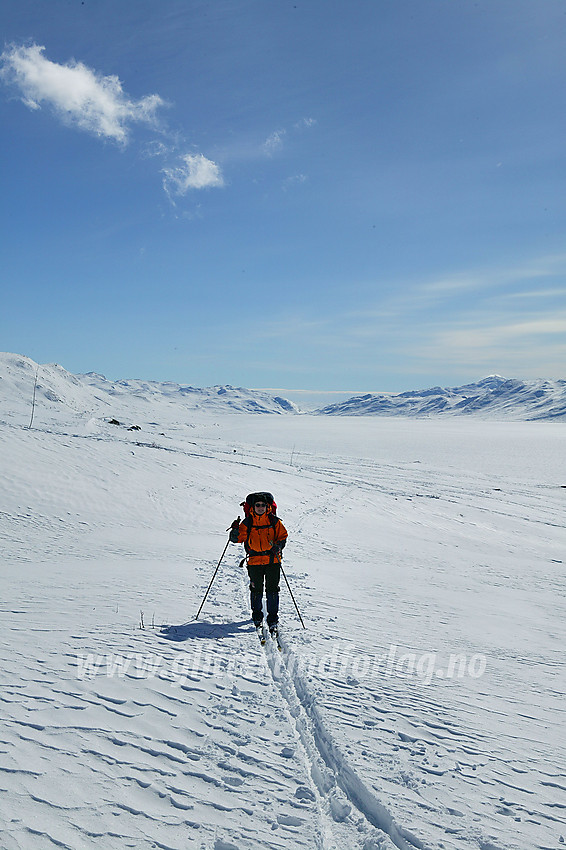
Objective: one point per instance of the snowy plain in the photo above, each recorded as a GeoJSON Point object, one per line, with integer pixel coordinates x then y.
{"type": "Point", "coordinates": [422, 706]}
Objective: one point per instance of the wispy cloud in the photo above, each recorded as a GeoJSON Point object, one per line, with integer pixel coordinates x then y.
{"type": "Point", "coordinates": [535, 293]}
{"type": "Point", "coordinates": [457, 291]}
{"type": "Point", "coordinates": [506, 319]}
{"type": "Point", "coordinates": [294, 180]}
{"type": "Point", "coordinates": [195, 171]}
{"type": "Point", "coordinates": [80, 96]}
{"type": "Point", "coordinates": [484, 280]}
{"type": "Point", "coordinates": [531, 348]}
{"type": "Point", "coordinates": [476, 335]}
{"type": "Point", "coordinates": [305, 123]}
{"type": "Point", "coordinates": [274, 142]}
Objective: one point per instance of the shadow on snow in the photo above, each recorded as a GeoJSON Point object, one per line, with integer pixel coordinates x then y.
{"type": "Point", "coordinates": [203, 629]}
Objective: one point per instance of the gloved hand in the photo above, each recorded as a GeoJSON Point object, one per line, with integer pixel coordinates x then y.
{"type": "Point", "coordinates": [234, 531]}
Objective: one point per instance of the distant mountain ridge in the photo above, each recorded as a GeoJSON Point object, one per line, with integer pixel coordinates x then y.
{"type": "Point", "coordinates": [93, 394]}
{"type": "Point", "coordinates": [493, 397]}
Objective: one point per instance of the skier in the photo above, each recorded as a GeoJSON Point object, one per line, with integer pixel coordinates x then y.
{"type": "Point", "coordinates": [264, 536]}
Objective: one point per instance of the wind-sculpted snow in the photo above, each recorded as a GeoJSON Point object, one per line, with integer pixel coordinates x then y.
{"type": "Point", "coordinates": [422, 707]}
{"type": "Point", "coordinates": [493, 397]}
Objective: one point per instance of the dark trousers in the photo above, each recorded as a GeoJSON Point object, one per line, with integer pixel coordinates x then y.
{"type": "Point", "coordinates": [268, 574]}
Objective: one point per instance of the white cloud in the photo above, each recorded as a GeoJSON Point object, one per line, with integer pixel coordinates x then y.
{"type": "Point", "coordinates": [305, 123]}
{"type": "Point", "coordinates": [195, 172]}
{"type": "Point", "coordinates": [274, 143]}
{"type": "Point", "coordinates": [85, 99]}
{"type": "Point", "coordinates": [79, 95]}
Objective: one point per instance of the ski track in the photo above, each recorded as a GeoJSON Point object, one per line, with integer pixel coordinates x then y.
{"type": "Point", "coordinates": [259, 750]}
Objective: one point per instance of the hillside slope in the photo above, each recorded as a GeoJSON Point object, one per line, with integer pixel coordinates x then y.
{"type": "Point", "coordinates": [60, 393]}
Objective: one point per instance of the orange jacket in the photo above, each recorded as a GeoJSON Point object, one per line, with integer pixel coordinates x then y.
{"type": "Point", "coordinates": [262, 538]}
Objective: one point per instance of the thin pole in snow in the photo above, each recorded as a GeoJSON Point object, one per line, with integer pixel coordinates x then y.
{"type": "Point", "coordinates": [292, 597]}
{"type": "Point", "coordinates": [212, 579]}
{"type": "Point", "coordinates": [33, 399]}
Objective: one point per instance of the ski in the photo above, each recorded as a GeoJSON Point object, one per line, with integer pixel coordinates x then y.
{"type": "Point", "coordinates": [261, 634]}
{"type": "Point", "coordinates": [275, 637]}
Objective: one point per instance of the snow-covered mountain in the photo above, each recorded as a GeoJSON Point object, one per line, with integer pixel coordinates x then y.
{"type": "Point", "coordinates": [493, 397]}
{"type": "Point", "coordinates": [61, 391]}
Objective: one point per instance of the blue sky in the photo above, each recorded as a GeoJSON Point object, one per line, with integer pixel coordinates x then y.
{"type": "Point", "coordinates": [316, 194]}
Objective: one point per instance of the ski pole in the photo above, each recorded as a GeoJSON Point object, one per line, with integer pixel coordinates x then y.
{"type": "Point", "coordinates": [212, 579]}
{"type": "Point", "coordinates": [292, 597]}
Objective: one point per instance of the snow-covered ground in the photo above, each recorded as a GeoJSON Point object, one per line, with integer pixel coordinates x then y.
{"type": "Point", "coordinates": [423, 705]}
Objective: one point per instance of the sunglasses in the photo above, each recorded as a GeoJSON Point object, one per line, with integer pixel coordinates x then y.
{"type": "Point", "coordinates": [259, 505]}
